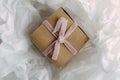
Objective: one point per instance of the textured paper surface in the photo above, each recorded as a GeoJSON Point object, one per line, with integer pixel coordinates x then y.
{"type": "Point", "coordinates": [42, 38]}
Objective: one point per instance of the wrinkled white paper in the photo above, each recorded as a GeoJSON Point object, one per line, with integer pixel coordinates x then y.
{"type": "Point", "coordinates": [99, 59]}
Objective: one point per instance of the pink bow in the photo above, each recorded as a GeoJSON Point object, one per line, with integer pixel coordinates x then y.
{"type": "Point", "coordinates": [60, 38]}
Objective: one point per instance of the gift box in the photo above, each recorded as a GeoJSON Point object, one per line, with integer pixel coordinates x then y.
{"type": "Point", "coordinates": [59, 37]}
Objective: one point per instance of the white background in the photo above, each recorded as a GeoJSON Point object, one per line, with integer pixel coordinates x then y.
{"type": "Point", "coordinates": [99, 59]}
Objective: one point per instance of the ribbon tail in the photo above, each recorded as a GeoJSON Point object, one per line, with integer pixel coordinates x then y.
{"type": "Point", "coordinates": [70, 47]}
{"type": "Point", "coordinates": [49, 48]}
{"type": "Point", "coordinates": [56, 51]}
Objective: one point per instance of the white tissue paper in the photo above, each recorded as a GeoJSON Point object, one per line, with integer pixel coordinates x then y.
{"type": "Point", "coordinates": [99, 59]}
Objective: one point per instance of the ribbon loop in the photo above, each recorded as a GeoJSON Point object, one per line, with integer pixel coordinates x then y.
{"type": "Point", "coordinates": [61, 27]}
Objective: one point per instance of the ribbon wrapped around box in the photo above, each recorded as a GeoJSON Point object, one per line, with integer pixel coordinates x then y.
{"type": "Point", "coordinates": [59, 37]}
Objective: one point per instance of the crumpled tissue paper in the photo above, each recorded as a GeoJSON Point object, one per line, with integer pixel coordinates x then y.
{"type": "Point", "coordinates": [99, 59]}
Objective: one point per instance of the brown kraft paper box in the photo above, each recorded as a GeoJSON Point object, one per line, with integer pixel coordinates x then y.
{"type": "Point", "coordinates": [42, 38]}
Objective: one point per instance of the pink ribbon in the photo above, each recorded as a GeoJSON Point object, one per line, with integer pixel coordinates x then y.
{"type": "Point", "coordinates": [60, 38]}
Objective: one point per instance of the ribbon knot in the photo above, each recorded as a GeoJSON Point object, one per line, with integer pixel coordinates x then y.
{"type": "Point", "coordinates": [60, 37]}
